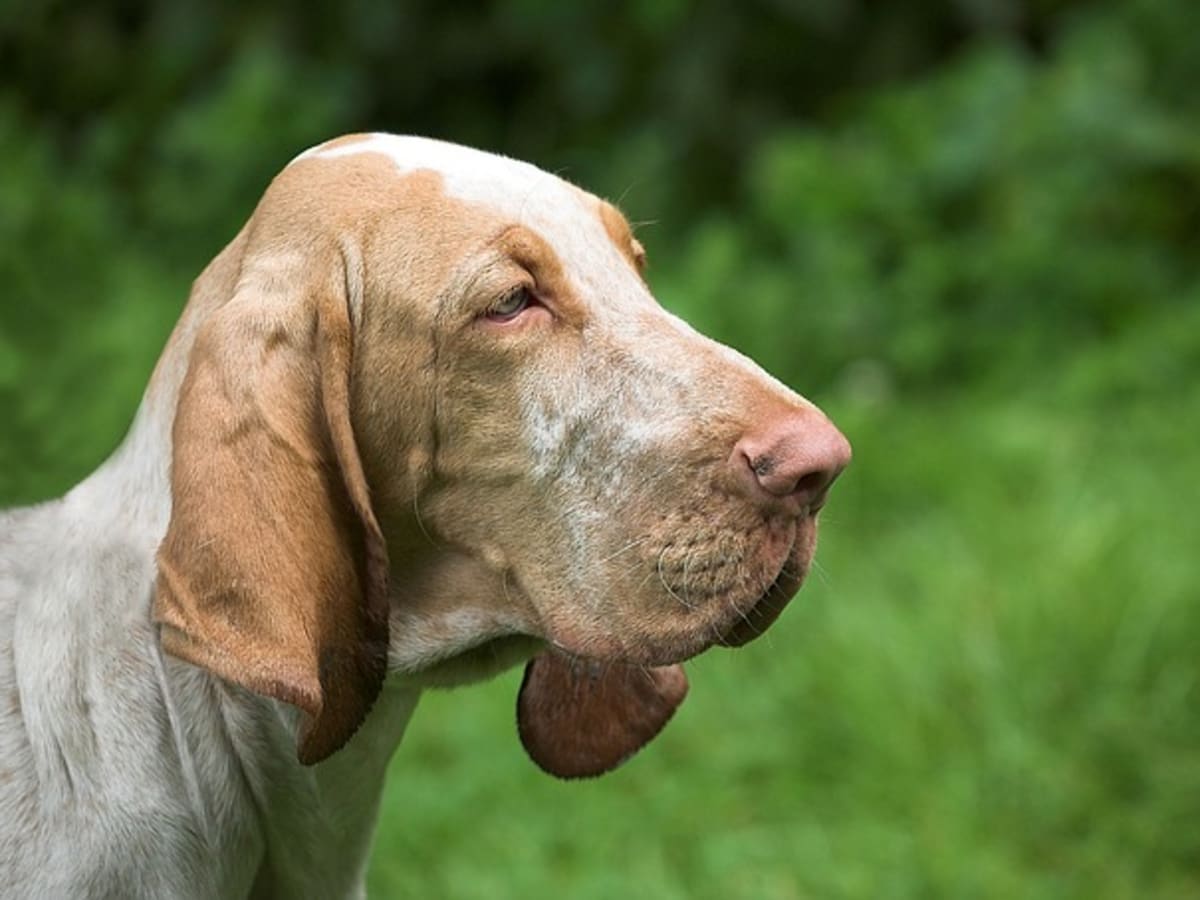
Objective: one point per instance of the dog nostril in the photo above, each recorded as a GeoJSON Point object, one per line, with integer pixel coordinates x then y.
{"type": "Point", "coordinates": [810, 486]}
{"type": "Point", "coordinates": [762, 467]}
{"type": "Point", "coordinates": [794, 459]}
{"type": "Point", "coordinates": [791, 478]}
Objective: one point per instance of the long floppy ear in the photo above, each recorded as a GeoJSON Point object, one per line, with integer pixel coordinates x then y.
{"type": "Point", "coordinates": [580, 718]}
{"type": "Point", "coordinates": [273, 572]}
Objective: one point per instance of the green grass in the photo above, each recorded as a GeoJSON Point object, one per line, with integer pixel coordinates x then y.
{"type": "Point", "coordinates": [988, 689]}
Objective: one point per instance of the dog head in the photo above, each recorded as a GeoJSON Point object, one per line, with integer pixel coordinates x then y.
{"type": "Point", "coordinates": [433, 422]}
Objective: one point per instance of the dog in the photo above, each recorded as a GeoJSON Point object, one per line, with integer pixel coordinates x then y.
{"type": "Point", "coordinates": [420, 421]}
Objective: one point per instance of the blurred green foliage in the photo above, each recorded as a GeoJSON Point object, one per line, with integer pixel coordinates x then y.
{"type": "Point", "coordinates": [969, 230]}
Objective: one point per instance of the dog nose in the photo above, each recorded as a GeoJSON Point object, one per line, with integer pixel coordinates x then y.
{"type": "Point", "coordinates": [791, 459]}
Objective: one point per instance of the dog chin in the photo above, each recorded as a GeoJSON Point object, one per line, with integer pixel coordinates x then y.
{"type": "Point", "coordinates": [768, 608]}
{"type": "Point", "coordinates": [743, 627]}
{"type": "Point", "coordinates": [728, 620]}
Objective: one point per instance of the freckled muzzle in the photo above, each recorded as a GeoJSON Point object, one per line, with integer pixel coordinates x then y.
{"type": "Point", "coordinates": [735, 559]}
{"type": "Point", "coordinates": [703, 532]}
{"type": "Point", "coordinates": [742, 586]}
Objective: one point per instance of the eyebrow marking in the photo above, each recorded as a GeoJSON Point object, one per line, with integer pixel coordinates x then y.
{"type": "Point", "coordinates": [619, 232]}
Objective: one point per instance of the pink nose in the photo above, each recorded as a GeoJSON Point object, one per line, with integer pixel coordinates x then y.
{"type": "Point", "coordinates": [791, 460]}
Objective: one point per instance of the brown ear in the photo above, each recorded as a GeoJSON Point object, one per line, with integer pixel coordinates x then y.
{"type": "Point", "coordinates": [578, 718]}
{"type": "Point", "coordinates": [273, 572]}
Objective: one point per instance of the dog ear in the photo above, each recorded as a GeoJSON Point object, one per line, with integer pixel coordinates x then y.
{"type": "Point", "coordinates": [579, 719]}
{"type": "Point", "coordinates": [273, 572]}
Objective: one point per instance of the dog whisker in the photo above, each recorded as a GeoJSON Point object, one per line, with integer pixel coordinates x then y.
{"type": "Point", "coordinates": [662, 578]}
{"type": "Point", "coordinates": [637, 542]}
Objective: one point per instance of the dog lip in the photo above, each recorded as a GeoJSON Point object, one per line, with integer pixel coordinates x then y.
{"type": "Point", "coordinates": [766, 609]}
{"type": "Point", "coordinates": [742, 617]}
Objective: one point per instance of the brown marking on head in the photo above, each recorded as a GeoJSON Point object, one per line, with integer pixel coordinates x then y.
{"type": "Point", "coordinates": [622, 235]}
{"type": "Point", "coordinates": [345, 140]}
{"type": "Point", "coordinates": [550, 283]}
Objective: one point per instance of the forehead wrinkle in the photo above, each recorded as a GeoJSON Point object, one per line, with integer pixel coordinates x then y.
{"type": "Point", "coordinates": [530, 249]}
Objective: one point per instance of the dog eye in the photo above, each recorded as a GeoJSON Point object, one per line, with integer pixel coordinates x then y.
{"type": "Point", "coordinates": [510, 305]}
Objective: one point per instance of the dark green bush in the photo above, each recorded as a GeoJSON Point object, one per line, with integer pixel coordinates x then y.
{"type": "Point", "coordinates": [988, 220]}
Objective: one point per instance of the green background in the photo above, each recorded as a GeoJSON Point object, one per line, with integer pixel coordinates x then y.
{"type": "Point", "coordinates": [969, 230]}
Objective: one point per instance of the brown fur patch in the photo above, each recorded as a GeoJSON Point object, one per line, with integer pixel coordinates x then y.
{"type": "Point", "coordinates": [621, 235]}
{"type": "Point", "coordinates": [532, 252]}
{"type": "Point", "coordinates": [345, 140]}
